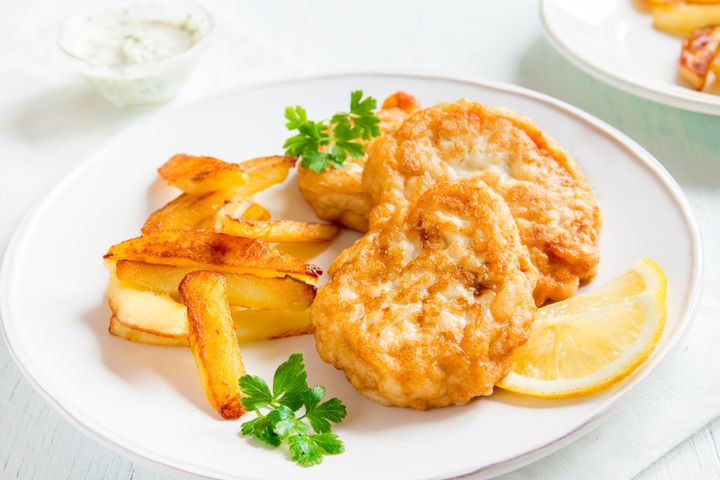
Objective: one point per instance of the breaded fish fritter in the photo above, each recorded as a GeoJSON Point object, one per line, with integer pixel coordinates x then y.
{"type": "Point", "coordinates": [550, 198]}
{"type": "Point", "coordinates": [425, 310]}
{"type": "Point", "coordinates": [338, 195]}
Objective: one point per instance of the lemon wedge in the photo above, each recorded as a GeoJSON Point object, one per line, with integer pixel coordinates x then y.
{"type": "Point", "coordinates": [589, 342]}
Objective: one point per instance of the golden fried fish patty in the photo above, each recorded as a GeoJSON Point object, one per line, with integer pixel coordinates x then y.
{"type": "Point", "coordinates": [338, 195]}
{"type": "Point", "coordinates": [555, 209]}
{"type": "Point", "coordinates": [425, 309]}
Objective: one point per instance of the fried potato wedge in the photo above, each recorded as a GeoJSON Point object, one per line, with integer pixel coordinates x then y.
{"type": "Point", "coordinates": [661, 3]}
{"type": "Point", "coordinates": [187, 211]}
{"type": "Point", "coordinates": [213, 251]}
{"type": "Point", "coordinates": [698, 52]}
{"type": "Point", "coordinates": [130, 334]}
{"type": "Point", "coordinates": [245, 290]}
{"type": "Point", "coordinates": [715, 66]}
{"type": "Point", "coordinates": [244, 207]}
{"type": "Point", "coordinates": [241, 207]}
{"type": "Point", "coordinates": [193, 174]}
{"type": "Point", "coordinates": [145, 317]}
{"type": "Point", "coordinates": [683, 19]}
{"type": "Point", "coordinates": [192, 211]}
{"type": "Point", "coordinates": [258, 325]}
{"type": "Point", "coordinates": [264, 172]}
{"type": "Point", "coordinates": [250, 326]}
{"type": "Point", "coordinates": [276, 230]}
{"type": "Point", "coordinates": [211, 333]}
{"type": "Point", "coordinates": [148, 312]}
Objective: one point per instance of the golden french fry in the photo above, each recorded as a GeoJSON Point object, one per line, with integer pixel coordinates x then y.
{"type": "Point", "coordinates": [241, 207]}
{"type": "Point", "coordinates": [258, 325]}
{"type": "Point", "coordinates": [264, 172]}
{"type": "Point", "coordinates": [213, 251]}
{"type": "Point", "coordinates": [245, 290]}
{"type": "Point", "coordinates": [698, 52]}
{"type": "Point", "coordinates": [211, 333]}
{"type": "Point", "coordinates": [276, 230]}
{"type": "Point", "coordinates": [715, 66]}
{"type": "Point", "coordinates": [683, 19]}
{"type": "Point", "coordinates": [192, 211]}
{"type": "Point", "coordinates": [250, 326]}
{"type": "Point", "coordinates": [155, 319]}
{"type": "Point", "coordinates": [244, 207]}
{"type": "Point", "coordinates": [130, 334]}
{"type": "Point", "coordinates": [187, 211]}
{"type": "Point", "coordinates": [149, 312]}
{"type": "Point", "coordinates": [193, 174]}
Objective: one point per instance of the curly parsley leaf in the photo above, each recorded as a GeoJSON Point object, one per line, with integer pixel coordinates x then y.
{"type": "Point", "coordinates": [308, 437]}
{"type": "Point", "coordinates": [330, 143]}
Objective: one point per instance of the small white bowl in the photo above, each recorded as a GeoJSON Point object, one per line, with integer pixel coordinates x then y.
{"type": "Point", "coordinates": [140, 82]}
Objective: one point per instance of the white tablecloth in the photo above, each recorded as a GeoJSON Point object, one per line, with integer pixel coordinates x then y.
{"type": "Point", "coordinates": [49, 118]}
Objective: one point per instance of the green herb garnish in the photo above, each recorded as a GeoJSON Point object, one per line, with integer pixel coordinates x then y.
{"type": "Point", "coordinates": [307, 443]}
{"type": "Point", "coordinates": [330, 143]}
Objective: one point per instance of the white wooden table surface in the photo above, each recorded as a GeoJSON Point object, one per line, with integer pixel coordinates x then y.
{"type": "Point", "coordinates": [481, 39]}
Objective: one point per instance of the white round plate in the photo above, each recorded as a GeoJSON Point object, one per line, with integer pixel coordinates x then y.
{"type": "Point", "coordinates": [146, 401]}
{"type": "Point", "coordinates": [614, 40]}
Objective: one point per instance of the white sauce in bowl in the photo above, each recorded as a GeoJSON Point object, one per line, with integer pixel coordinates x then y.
{"type": "Point", "coordinates": [139, 55]}
{"type": "Point", "coordinates": [131, 41]}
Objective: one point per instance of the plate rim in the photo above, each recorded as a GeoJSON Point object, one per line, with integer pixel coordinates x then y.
{"type": "Point", "coordinates": [129, 449]}
{"type": "Point", "coordinates": [672, 99]}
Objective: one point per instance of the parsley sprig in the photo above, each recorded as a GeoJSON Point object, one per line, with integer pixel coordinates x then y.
{"type": "Point", "coordinates": [330, 143]}
{"type": "Point", "coordinates": [307, 443]}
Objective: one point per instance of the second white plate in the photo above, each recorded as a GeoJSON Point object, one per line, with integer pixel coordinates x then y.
{"type": "Point", "coordinates": [616, 42]}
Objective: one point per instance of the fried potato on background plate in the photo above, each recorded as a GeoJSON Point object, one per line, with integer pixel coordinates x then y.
{"type": "Point", "coordinates": [699, 52]}
{"type": "Point", "coordinates": [683, 19]}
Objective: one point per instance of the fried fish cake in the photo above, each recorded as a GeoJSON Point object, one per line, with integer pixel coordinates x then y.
{"type": "Point", "coordinates": [426, 309]}
{"type": "Point", "coordinates": [338, 195]}
{"type": "Point", "coordinates": [552, 202]}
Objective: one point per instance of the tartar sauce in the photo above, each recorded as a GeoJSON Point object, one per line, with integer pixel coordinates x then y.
{"type": "Point", "coordinates": [138, 55]}
{"type": "Point", "coordinates": [131, 41]}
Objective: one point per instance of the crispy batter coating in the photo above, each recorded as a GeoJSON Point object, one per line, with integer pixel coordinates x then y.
{"type": "Point", "coordinates": [550, 198]}
{"type": "Point", "coordinates": [425, 310]}
{"type": "Point", "coordinates": [338, 195]}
